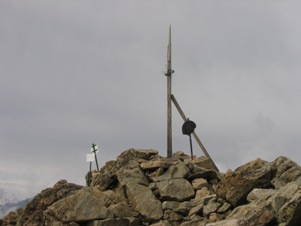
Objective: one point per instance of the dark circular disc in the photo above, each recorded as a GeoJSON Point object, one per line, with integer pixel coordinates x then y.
{"type": "Point", "coordinates": [188, 127]}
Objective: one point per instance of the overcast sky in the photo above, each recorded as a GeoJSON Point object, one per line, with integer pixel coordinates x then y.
{"type": "Point", "coordinates": [73, 73]}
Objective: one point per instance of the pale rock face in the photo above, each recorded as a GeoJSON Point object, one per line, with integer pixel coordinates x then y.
{"type": "Point", "coordinates": [202, 193]}
{"type": "Point", "coordinates": [142, 188]}
{"type": "Point", "coordinates": [175, 189]}
{"type": "Point", "coordinates": [287, 170]}
{"type": "Point", "coordinates": [235, 186]}
{"type": "Point", "coordinates": [177, 171]}
{"type": "Point", "coordinates": [199, 183]}
{"type": "Point", "coordinates": [86, 205]}
{"type": "Point", "coordinates": [144, 201]}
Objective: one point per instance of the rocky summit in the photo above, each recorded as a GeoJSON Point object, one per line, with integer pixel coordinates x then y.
{"type": "Point", "coordinates": [142, 188]}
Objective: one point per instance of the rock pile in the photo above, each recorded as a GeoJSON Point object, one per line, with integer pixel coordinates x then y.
{"type": "Point", "coordinates": [143, 188]}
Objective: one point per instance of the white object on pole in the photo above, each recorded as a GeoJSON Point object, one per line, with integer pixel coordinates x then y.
{"type": "Point", "coordinates": [90, 157]}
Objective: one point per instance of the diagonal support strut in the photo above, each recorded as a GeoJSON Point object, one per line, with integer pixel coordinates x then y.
{"type": "Point", "coordinates": [194, 134]}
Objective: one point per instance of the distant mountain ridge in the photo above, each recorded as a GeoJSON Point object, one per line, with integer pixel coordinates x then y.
{"type": "Point", "coordinates": [6, 197]}
{"type": "Point", "coordinates": [7, 207]}
{"type": "Point", "coordinates": [9, 202]}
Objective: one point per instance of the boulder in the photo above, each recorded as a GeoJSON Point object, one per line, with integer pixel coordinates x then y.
{"type": "Point", "coordinates": [175, 189]}
{"type": "Point", "coordinates": [278, 207]}
{"type": "Point", "coordinates": [202, 193]}
{"type": "Point", "coordinates": [211, 207]}
{"type": "Point", "coordinates": [180, 207]}
{"type": "Point", "coordinates": [86, 205]}
{"type": "Point", "coordinates": [105, 177]}
{"type": "Point", "coordinates": [161, 223]}
{"type": "Point", "coordinates": [232, 222]}
{"type": "Point", "coordinates": [179, 170]}
{"type": "Point", "coordinates": [287, 170]}
{"type": "Point", "coordinates": [204, 162]}
{"type": "Point", "coordinates": [172, 216]}
{"type": "Point", "coordinates": [143, 201]}
{"type": "Point", "coordinates": [132, 173]}
{"type": "Point", "coordinates": [121, 210]}
{"type": "Point", "coordinates": [201, 172]}
{"type": "Point", "coordinates": [115, 222]}
{"type": "Point", "coordinates": [235, 186]}
{"type": "Point", "coordinates": [260, 194]}
{"type": "Point", "coordinates": [155, 164]}
{"type": "Point", "coordinates": [145, 154]}
{"type": "Point", "coordinates": [288, 203]}
{"type": "Point", "coordinates": [199, 183]}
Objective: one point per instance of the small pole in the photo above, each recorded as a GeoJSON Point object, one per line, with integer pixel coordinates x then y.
{"type": "Point", "coordinates": [90, 175]}
{"type": "Point", "coordinates": [90, 167]}
{"type": "Point", "coordinates": [90, 159]}
{"type": "Point", "coordinates": [191, 151]}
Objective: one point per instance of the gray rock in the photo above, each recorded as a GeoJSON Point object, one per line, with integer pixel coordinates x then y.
{"type": "Point", "coordinates": [170, 205]}
{"type": "Point", "coordinates": [235, 186]}
{"type": "Point", "coordinates": [289, 213]}
{"type": "Point", "coordinates": [196, 210]}
{"type": "Point", "coordinates": [196, 222]}
{"type": "Point", "coordinates": [214, 217]}
{"type": "Point", "coordinates": [152, 165]}
{"type": "Point", "coordinates": [232, 222]}
{"type": "Point", "coordinates": [177, 171]}
{"type": "Point", "coordinates": [208, 174]}
{"type": "Point", "coordinates": [202, 193]}
{"type": "Point", "coordinates": [86, 205]}
{"type": "Point", "coordinates": [225, 207]}
{"type": "Point", "coordinates": [158, 172]}
{"type": "Point", "coordinates": [199, 183]}
{"type": "Point", "coordinates": [161, 223]}
{"type": "Point", "coordinates": [175, 189]}
{"type": "Point", "coordinates": [105, 177]}
{"type": "Point", "coordinates": [287, 170]}
{"type": "Point", "coordinates": [259, 193]}
{"type": "Point", "coordinates": [204, 162]}
{"type": "Point", "coordinates": [145, 154]}
{"type": "Point", "coordinates": [180, 207]}
{"type": "Point", "coordinates": [110, 222]}
{"type": "Point", "coordinates": [243, 211]}
{"type": "Point", "coordinates": [284, 195]}
{"type": "Point", "coordinates": [172, 216]}
{"type": "Point", "coordinates": [211, 207]}
{"type": "Point", "coordinates": [132, 173]}
{"type": "Point", "coordinates": [121, 210]}
{"type": "Point", "coordinates": [144, 201]}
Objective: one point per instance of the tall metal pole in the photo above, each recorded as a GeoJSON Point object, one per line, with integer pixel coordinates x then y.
{"type": "Point", "coordinates": [169, 118]}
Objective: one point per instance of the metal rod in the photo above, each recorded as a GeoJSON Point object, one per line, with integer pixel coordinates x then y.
{"type": "Point", "coordinates": [194, 134]}
{"type": "Point", "coordinates": [90, 175]}
{"type": "Point", "coordinates": [96, 161]}
{"type": "Point", "coordinates": [191, 151]}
